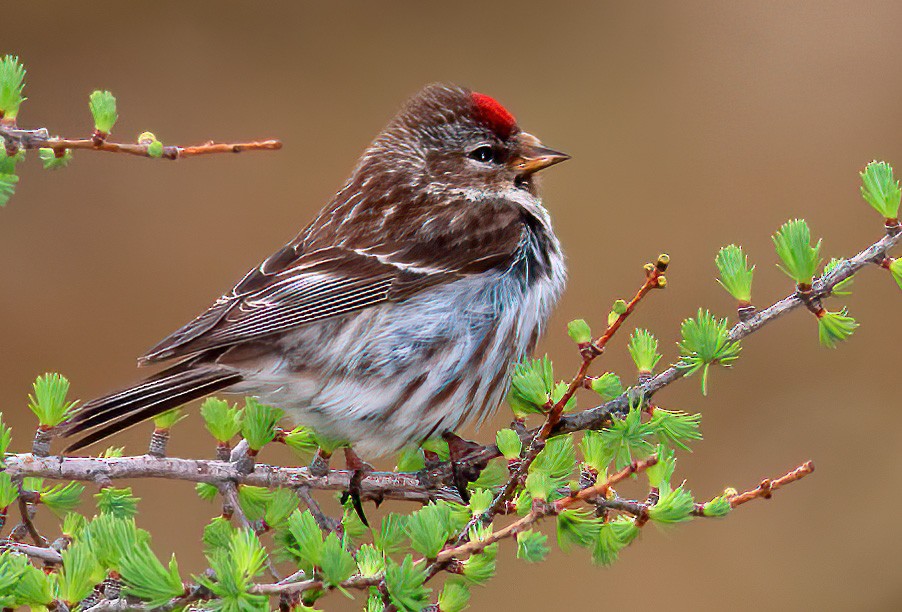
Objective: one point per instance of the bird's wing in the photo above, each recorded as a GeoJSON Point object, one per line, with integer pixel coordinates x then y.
{"type": "Point", "coordinates": [291, 289]}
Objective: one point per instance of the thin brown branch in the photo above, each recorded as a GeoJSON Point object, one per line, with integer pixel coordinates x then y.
{"type": "Point", "coordinates": [595, 418]}
{"type": "Point", "coordinates": [539, 511]}
{"type": "Point", "coordinates": [767, 486]}
{"type": "Point", "coordinates": [44, 553]}
{"type": "Point", "coordinates": [40, 138]}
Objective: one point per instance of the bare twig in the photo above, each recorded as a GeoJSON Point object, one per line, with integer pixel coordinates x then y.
{"type": "Point", "coordinates": [44, 553]}
{"type": "Point", "coordinates": [767, 486]}
{"type": "Point", "coordinates": [40, 138]}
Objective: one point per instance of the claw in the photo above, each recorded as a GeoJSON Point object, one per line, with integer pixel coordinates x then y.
{"type": "Point", "coordinates": [462, 475]}
{"type": "Point", "coordinates": [359, 469]}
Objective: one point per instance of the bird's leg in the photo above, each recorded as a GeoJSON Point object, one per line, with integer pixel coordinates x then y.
{"type": "Point", "coordinates": [319, 465]}
{"type": "Point", "coordinates": [359, 469]}
{"type": "Point", "coordinates": [459, 450]}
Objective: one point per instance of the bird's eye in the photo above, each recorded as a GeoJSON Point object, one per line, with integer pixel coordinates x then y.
{"type": "Point", "coordinates": [484, 154]}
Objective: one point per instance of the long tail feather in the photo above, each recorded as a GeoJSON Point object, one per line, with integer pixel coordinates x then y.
{"type": "Point", "coordinates": [118, 411]}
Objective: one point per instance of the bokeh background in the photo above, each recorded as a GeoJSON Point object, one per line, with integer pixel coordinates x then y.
{"type": "Point", "coordinates": [691, 125]}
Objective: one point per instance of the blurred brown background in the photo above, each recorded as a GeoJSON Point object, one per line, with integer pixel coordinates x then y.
{"type": "Point", "coordinates": [691, 126]}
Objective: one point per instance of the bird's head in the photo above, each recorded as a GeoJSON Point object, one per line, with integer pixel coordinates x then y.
{"type": "Point", "coordinates": [448, 139]}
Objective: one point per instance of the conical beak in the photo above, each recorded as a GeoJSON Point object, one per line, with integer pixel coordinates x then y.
{"type": "Point", "coordinates": [535, 156]}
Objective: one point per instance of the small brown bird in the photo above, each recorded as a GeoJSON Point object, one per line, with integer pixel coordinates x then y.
{"type": "Point", "coordinates": [397, 314]}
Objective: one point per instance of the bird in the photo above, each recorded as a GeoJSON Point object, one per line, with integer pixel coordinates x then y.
{"type": "Point", "coordinates": [398, 314]}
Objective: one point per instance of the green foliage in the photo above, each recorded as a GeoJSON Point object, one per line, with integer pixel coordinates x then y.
{"type": "Point", "coordinates": [336, 564]}
{"type": "Point", "coordinates": [62, 498]}
{"type": "Point", "coordinates": [370, 562]}
{"type": "Point", "coordinates": [428, 529]}
{"type": "Point", "coordinates": [607, 386]}
{"type": "Point", "coordinates": [717, 507]}
{"type": "Point", "coordinates": [282, 503]}
{"type": "Point", "coordinates": [22, 584]}
{"type": "Point", "coordinates": [480, 501]}
{"type": "Point", "coordinates": [253, 500]}
{"type": "Point", "coordinates": [675, 428]}
{"type": "Point", "coordinates": [168, 419]}
{"type": "Point", "coordinates": [50, 161]}
{"type": "Point", "coordinates": [259, 423]}
{"type": "Point", "coordinates": [438, 446]}
{"type": "Point", "coordinates": [113, 451]}
{"type": "Point", "coordinates": [643, 348]}
{"type": "Point", "coordinates": [705, 342]}
{"type": "Point", "coordinates": [494, 475]}
{"type": "Point", "coordinates": [834, 327]}
{"type": "Point", "coordinates": [307, 545]}
{"type": "Point", "coordinates": [73, 523]}
{"type": "Point", "coordinates": [509, 443]}
{"type": "Point", "coordinates": [880, 189]}
{"type": "Point", "coordinates": [551, 468]}
{"type": "Point", "coordinates": [155, 149]}
{"type": "Point", "coordinates": [405, 586]}
{"type": "Point", "coordinates": [626, 437]}
{"type": "Point", "coordinates": [895, 269]}
{"type": "Point", "coordinates": [596, 454]}
{"type": "Point", "coordinates": [578, 527]}
{"type": "Point", "coordinates": [411, 459]}
{"type": "Point", "coordinates": [103, 109]}
{"type": "Point", "coordinates": [613, 537]}
{"type": "Point", "coordinates": [735, 273]}
{"type": "Point", "coordinates": [674, 506]}
{"type": "Point", "coordinates": [557, 394]}
{"type": "Point", "coordinates": [49, 400]}
{"type": "Point", "coordinates": [33, 588]}
{"type": "Point", "coordinates": [302, 440]}
{"type": "Point", "coordinates": [840, 289]}
{"type": "Point", "coordinates": [659, 474]}
{"type": "Point", "coordinates": [117, 502]}
{"type": "Point", "coordinates": [455, 597]}
{"type": "Point", "coordinates": [111, 538]}
{"type": "Point", "coordinates": [235, 568]}
{"type": "Point", "coordinates": [6, 437]}
{"type": "Point", "coordinates": [7, 187]}
{"type": "Point", "coordinates": [531, 385]}
{"type": "Point", "coordinates": [793, 244]}
{"type": "Point", "coordinates": [222, 420]}
{"type": "Point", "coordinates": [9, 162]}
{"type": "Point", "coordinates": [206, 491]}
{"type": "Point", "coordinates": [12, 83]}
{"type": "Point", "coordinates": [8, 491]}
{"type": "Point", "coordinates": [147, 579]}
{"type": "Point", "coordinates": [77, 578]}
{"type": "Point", "coordinates": [217, 535]}
{"type": "Point", "coordinates": [390, 537]}
{"type": "Point", "coordinates": [579, 331]}
{"type": "Point", "coordinates": [480, 568]}
{"type": "Point", "coordinates": [532, 546]}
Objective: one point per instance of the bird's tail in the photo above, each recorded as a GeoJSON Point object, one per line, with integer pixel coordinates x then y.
{"type": "Point", "coordinates": [169, 389]}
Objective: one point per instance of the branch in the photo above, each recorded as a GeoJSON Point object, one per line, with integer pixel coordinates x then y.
{"type": "Point", "coordinates": [594, 418]}
{"type": "Point", "coordinates": [41, 139]}
{"type": "Point", "coordinates": [376, 486]}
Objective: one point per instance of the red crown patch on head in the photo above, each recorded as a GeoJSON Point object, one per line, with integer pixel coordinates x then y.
{"type": "Point", "coordinates": [494, 115]}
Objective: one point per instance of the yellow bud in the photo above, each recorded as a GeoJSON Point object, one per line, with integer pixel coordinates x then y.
{"type": "Point", "coordinates": [146, 138]}
{"type": "Point", "coordinates": [730, 492]}
{"type": "Point", "coordinates": [662, 282]}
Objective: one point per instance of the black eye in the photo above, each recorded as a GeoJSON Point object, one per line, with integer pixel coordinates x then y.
{"type": "Point", "coordinates": [484, 154]}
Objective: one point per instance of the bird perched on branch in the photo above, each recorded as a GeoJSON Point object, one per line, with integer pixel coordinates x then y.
{"type": "Point", "coordinates": [397, 314]}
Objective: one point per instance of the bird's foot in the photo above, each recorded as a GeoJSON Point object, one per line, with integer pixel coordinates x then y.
{"type": "Point", "coordinates": [359, 469]}
{"type": "Point", "coordinates": [319, 465]}
{"type": "Point", "coordinates": [462, 472]}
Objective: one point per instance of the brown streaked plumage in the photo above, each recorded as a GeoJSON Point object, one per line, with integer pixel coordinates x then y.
{"type": "Point", "coordinates": [397, 313]}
